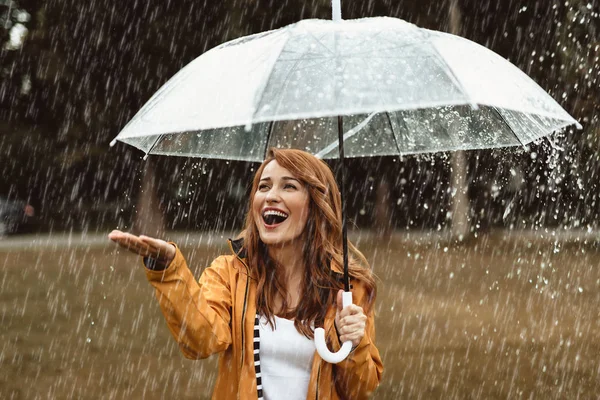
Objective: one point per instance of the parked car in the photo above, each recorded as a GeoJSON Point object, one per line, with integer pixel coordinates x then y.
{"type": "Point", "coordinates": [14, 215]}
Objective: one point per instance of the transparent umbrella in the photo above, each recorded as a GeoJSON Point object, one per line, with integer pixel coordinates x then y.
{"type": "Point", "coordinates": [430, 91]}
{"type": "Point", "coordinates": [354, 88]}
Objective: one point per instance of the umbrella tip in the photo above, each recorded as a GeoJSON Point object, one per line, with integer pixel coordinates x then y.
{"type": "Point", "coordinates": [113, 142]}
{"type": "Point", "coordinates": [145, 157]}
{"type": "Point", "coordinates": [578, 126]}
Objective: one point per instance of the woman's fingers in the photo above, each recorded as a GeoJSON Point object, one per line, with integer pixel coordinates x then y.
{"type": "Point", "coordinates": [351, 327]}
{"type": "Point", "coordinates": [122, 239]}
{"type": "Point", "coordinates": [134, 244]}
{"type": "Point", "coordinates": [352, 309]}
{"type": "Point", "coordinates": [353, 333]}
{"type": "Point", "coordinates": [351, 324]}
{"type": "Point", "coordinates": [353, 319]}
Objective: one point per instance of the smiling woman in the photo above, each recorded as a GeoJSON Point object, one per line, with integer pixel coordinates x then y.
{"type": "Point", "coordinates": [259, 306]}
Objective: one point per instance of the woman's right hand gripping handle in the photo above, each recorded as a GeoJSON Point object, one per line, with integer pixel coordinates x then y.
{"type": "Point", "coordinates": [145, 246]}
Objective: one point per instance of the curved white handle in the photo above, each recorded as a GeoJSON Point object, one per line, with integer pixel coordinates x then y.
{"type": "Point", "coordinates": [321, 346]}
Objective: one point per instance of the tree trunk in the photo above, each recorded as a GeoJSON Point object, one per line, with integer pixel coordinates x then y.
{"type": "Point", "coordinates": [149, 218]}
{"type": "Point", "coordinates": [383, 226]}
{"type": "Point", "coordinates": [460, 200]}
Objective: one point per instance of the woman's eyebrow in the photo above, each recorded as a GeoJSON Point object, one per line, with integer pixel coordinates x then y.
{"type": "Point", "coordinates": [283, 178]}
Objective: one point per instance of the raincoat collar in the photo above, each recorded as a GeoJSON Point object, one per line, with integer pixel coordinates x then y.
{"type": "Point", "coordinates": [237, 246]}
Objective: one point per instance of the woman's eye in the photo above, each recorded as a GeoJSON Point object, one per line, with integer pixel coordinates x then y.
{"type": "Point", "coordinates": [263, 187]}
{"type": "Point", "coordinates": [289, 186]}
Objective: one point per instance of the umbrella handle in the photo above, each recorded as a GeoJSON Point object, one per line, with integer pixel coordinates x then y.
{"type": "Point", "coordinates": [321, 345]}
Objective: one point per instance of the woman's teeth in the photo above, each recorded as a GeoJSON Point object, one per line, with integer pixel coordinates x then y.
{"type": "Point", "coordinates": [273, 217]}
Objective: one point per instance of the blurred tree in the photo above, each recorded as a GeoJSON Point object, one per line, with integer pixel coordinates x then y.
{"type": "Point", "coordinates": [15, 84]}
{"type": "Point", "coordinates": [87, 67]}
{"type": "Point", "coordinates": [458, 165]}
{"type": "Point", "coordinates": [577, 53]}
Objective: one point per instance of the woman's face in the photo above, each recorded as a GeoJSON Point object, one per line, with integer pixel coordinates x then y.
{"type": "Point", "coordinates": [280, 205]}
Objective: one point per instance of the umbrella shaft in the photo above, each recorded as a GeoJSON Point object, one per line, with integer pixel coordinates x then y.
{"type": "Point", "coordinates": [342, 195]}
{"type": "Point", "coordinates": [336, 10]}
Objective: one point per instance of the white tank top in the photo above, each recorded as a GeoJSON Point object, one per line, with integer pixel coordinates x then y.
{"type": "Point", "coordinates": [285, 360]}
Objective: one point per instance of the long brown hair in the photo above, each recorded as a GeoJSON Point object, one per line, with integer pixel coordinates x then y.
{"type": "Point", "coordinates": [322, 238]}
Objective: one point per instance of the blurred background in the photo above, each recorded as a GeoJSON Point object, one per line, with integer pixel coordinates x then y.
{"type": "Point", "coordinates": [501, 244]}
{"type": "Point", "coordinates": [73, 74]}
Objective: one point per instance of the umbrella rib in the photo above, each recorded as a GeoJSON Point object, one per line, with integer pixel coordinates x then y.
{"type": "Point", "coordinates": [391, 125]}
{"type": "Point", "coordinates": [315, 63]}
{"type": "Point", "coordinates": [509, 127]}
{"type": "Point", "coordinates": [405, 127]}
{"type": "Point", "coordinates": [286, 81]}
{"type": "Point", "coordinates": [346, 136]}
{"type": "Point", "coordinates": [269, 132]}
{"type": "Point", "coordinates": [450, 73]}
{"type": "Point", "coordinates": [387, 114]}
{"type": "Point", "coordinates": [320, 43]}
{"type": "Point", "coordinates": [153, 145]}
{"type": "Point", "coordinates": [388, 118]}
{"type": "Point", "coordinates": [538, 125]}
{"type": "Point", "coordinates": [266, 82]}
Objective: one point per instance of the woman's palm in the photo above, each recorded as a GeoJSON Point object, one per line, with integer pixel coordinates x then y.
{"type": "Point", "coordinates": [144, 246]}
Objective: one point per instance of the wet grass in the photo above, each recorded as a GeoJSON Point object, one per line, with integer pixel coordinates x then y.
{"type": "Point", "coordinates": [493, 319]}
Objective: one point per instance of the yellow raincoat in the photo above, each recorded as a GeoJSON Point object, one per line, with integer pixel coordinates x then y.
{"type": "Point", "coordinates": [216, 315]}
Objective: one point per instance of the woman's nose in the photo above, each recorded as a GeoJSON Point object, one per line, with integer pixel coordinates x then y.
{"type": "Point", "coordinates": [272, 196]}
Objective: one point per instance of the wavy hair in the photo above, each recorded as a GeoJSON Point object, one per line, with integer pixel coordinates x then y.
{"type": "Point", "coordinates": [322, 238]}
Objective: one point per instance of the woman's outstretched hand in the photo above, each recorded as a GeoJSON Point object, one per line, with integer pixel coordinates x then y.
{"type": "Point", "coordinates": [144, 246]}
{"type": "Point", "coordinates": [350, 322]}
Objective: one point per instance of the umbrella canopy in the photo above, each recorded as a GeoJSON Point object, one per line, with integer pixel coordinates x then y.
{"type": "Point", "coordinates": [401, 90]}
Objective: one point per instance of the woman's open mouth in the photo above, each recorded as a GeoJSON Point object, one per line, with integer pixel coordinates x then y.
{"type": "Point", "coordinates": [273, 218]}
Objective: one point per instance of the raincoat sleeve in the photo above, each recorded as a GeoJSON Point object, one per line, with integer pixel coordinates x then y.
{"type": "Point", "coordinates": [359, 375]}
{"type": "Point", "coordinates": [197, 312]}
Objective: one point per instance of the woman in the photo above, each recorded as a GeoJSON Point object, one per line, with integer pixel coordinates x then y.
{"type": "Point", "coordinates": [258, 306]}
